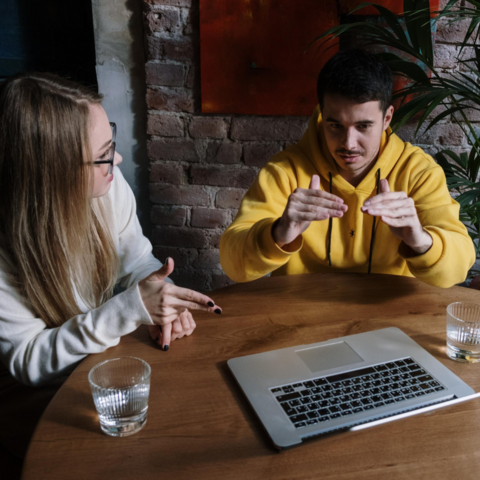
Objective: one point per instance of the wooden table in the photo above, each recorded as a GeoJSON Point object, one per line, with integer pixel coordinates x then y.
{"type": "Point", "coordinates": [200, 426]}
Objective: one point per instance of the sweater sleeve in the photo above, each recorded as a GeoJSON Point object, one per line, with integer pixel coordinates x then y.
{"type": "Point", "coordinates": [452, 253]}
{"type": "Point", "coordinates": [134, 249]}
{"type": "Point", "coordinates": [247, 248]}
{"type": "Point", "coordinates": [35, 354]}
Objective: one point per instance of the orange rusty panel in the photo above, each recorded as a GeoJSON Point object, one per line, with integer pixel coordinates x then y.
{"type": "Point", "coordinates": [252, 54]}
{"type": "Point", "coordinates": [395, 6]}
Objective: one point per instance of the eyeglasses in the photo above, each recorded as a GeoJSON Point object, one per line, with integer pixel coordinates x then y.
{"type": "Point", "coordinates": [110, 152]}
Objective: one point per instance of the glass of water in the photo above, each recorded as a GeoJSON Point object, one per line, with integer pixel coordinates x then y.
{"type": "Point", "coordinates": [463, 332]}
{"type": "Point", "coordinates": [120, 389]}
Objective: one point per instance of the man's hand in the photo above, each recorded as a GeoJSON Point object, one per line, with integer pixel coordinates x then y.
{"type": "Point", "coordinates": [398, 211]}
{"type": "Point", "coordinates": [303, 207]}
{"type": "Point", "coordinates": [183, 326]}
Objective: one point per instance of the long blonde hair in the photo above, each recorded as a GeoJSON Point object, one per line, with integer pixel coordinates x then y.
{"type": "Point", "coordinates": [57, 238]}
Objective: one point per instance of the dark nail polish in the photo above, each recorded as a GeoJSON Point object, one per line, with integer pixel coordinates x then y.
{"type": "Point", "coordinates": [165, 348]}
{"type": "Point", "coordinates": [210, 304]}
{"type": "Point", "coordinates": [217, 310]}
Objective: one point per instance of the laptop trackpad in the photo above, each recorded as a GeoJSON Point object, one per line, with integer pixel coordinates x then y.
{"type": "Point", "coordinates": [328, 356]}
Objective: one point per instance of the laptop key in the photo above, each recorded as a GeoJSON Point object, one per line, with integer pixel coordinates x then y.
{"type": "Point", "coordinates": [368, 407]}
{"type": "Point", "coordinates": [294, 403]}
{"type": "Point", "coordinates": [316, 398]}
{"type": "Point", "coordinates": [305, 393]}
{"type": "Point", "coordinates": [288, 409]}
{"type": "Point", "coordinates": [324, 412]}
{"type": "Point", "coordinates": [357, 410]}
{"type": "Point", "coordinates": [335, 415]}
{"type": "Point", "coordinates": [312, 414]}
{"type": "Point", "coordinates": [320, 381]}
{"type": "Point", "coordinates": [306, 400]}
{"type": "Point", "coordinates": [317, 390]}
{"type": "Point", "coordinates": [312, 422]}
{"type": "Point", "coordinates": [344, 398]}
{"type": "Point", "coordinates": [389, 401]}
{"type": "Point", "coordinates": [390, 365]}
{"type": "Point", "coordinates": [324, 419]}
{"type": "Point", "coordinates": [288, 389]}
{"type": "Point", "coordinates": [356, 404]}
{"type": "Point", "coordinates": [299, 418]}
{"type": "Point", "coordinates": [376, 398]}
{"type": "Point", "coordinates": [275, 390]}
{"type": "Point", "coordinates": [439, 389]}
{"type": "Point", "coordinates": [399, 399]}
{"type": "Point", "coordinates": [355, 396]}
{"type": "Point", "coordinates": [333, 409]}
{"type": "Point", "coordinates": [345, 406]}
{"type": "Point", "coordinates": [425, 378]}
{"type": "Point", "coordinates": [290, 396]}
{"type": "Point", "coordinates": [408, 361]}
{"type": "Point", "coordinates": [348, 412]}
{"type": "Point", "coordinates": [313, 406]}
{"type": "Point", "coordinates": [410, 395]}
{"type": "Point", "coordinates": [300, 425]}
{"type": "Point", "coordinates": [366, 401]}
{"type": "Point", "coordinates": [298, 385]}
{"type": "Point", "coordinates": [379, 404]}
{"type": "Point", "coordinates": [308, 384]}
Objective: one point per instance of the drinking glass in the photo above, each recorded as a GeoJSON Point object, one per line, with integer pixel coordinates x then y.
{"type": "Point", "coordinates": [463, 332]}
{"type": "Point", "coordinates": [120, 389]}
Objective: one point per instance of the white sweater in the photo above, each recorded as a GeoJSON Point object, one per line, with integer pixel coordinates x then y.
{"type": "Point", "coordinates": [35, 354]}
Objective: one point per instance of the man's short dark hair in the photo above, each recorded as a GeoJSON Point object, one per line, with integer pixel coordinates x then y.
{"type": "Point", "coordinates": [357, 75]}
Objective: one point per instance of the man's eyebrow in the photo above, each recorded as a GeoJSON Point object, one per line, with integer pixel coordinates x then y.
{"type": "Point", "coordinates": [360, 122]}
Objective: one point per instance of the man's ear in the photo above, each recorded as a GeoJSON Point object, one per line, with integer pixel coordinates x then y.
{"type": "Point", "coordinates": [388, 117]}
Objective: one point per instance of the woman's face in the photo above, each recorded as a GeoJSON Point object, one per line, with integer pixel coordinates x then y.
{"type": "Point", "coordinates": [101, 143]}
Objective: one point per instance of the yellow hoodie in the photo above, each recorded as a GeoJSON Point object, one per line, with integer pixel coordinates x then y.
{"type": "Point", "coordinates": [248, 251]}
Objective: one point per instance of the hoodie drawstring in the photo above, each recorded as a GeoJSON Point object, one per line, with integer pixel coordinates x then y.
{"type": "Point", "coordinates": [372, 237]}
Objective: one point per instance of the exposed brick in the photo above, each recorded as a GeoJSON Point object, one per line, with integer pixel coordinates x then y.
{"type": "Point", "coordinates": [155, 48]}
{"type": "Point", "coordinates": [173, 3]}
{"type": "Point", "coordinates": [215, 239]}
{"type": "Point", "coordinates": [257, 154]}
{"type": "Point", "coordinates": [209, 218]}
{"type": "Point", "coordinates": [220, 280]}
{"type": "Point", "coordinates": [165, 74]}
{"type": "Point", "coordinates": [451, 32]}
{"type": "Point", "coordinates": [163, 19]}
{"type": "Point", "coordinates": [166, 125]}
{"type": "Point", "coordinates": [181, 256]}
{"type": "Point", "coordinates": [182, 49]}
{"type": "Point", "coordinates": [229, 198]}
{"type": "Point", "coordinates": [182, 150]}
{"type": "Point", "coordinates": [227, 153]}
{"type": "Point", "coordinates": [221, 176]}
{"type": "Point", "coordinates": [195, 280]}
{"type": "Point", "coordinates": [174, 216]}
{"type": "Point", "coordinates": [179, 195]}
{"type": "Point", "coordinates": [268, 128]}
{"type": "Point", "coordinates": [207, 259]}
{"type": "Point", "coordinates": [170, 100]}
{"type": "Point", "coordinates": [191, 20]}
{"type": "Point", "coordinates": [192, 77]}
{"type": "Point", "coordinates": [445, 56]}
{"type": "Point", "coordinates": [167, 173]}
{"type": "Point", "coordinates": [440, 134]}
{"type": "Point", "coordinates": [208, 127]}
{"type": "Point", "coordinates": [180, 237]}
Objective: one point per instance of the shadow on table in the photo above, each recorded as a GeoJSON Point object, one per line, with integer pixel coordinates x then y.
{"type": "Point", "coordinates": [76, 410]}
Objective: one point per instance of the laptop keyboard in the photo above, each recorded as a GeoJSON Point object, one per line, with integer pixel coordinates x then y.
{"type": "Point", "coordinates": [326, 398]}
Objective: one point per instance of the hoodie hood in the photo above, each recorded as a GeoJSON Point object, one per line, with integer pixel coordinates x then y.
{"type": "Point", "coordinates": [314, 146]}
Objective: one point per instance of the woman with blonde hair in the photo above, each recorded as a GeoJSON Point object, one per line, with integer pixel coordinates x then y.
{"type": "Point", "coordinates": [69, 234]}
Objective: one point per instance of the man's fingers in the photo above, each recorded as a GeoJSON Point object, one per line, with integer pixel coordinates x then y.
{"type": "Point", "coordinates": [314, 183]}
{"type": "Point", "coordinates": [313, 204]}
{"type": "Point", "coordinates": [384, 187]}
{"type": "Point", "coordinates": [392, 212]}
{"type": "Point", "coordinates": [318, 194]}
{"type": "Point", "coordinates": [385, 197]}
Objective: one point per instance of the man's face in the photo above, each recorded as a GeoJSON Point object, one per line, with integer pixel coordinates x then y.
{"type": "Point", "coordinates": [353, 132]}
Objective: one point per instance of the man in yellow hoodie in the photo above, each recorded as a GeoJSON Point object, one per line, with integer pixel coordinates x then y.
{"type": "Point", "coordinates": [350, 196]}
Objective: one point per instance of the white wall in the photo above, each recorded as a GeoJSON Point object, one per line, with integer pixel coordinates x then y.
{"type": "Point", "coordinates": [121, 79]}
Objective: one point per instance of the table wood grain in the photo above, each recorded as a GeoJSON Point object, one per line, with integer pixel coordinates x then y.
{"type": "Point", "coordinates": [200, 425]}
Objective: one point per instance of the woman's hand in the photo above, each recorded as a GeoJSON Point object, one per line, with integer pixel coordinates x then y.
{"type": "Point", "coordinates": [169, 305]}
{"type": "Point", "coordinates": [183, 326]}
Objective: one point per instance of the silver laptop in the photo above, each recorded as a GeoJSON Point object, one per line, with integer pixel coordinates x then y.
{"type": "Point", "coordinates": [346, 383]}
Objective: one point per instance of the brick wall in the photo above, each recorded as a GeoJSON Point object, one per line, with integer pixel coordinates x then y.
{"type": "Point", "coordinates": [201, 165]}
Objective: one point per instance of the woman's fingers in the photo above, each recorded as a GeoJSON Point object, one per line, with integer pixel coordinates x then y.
{"type": "Point", "coordinates": [193, 300]}
{"type": "Point", "coordinates": [166, 336]}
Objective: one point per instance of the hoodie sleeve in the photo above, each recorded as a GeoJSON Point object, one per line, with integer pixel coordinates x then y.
{"type": "Point", "coordinates": [452, 253]}
{"type": "Point", "coordinates": [247, 248]}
